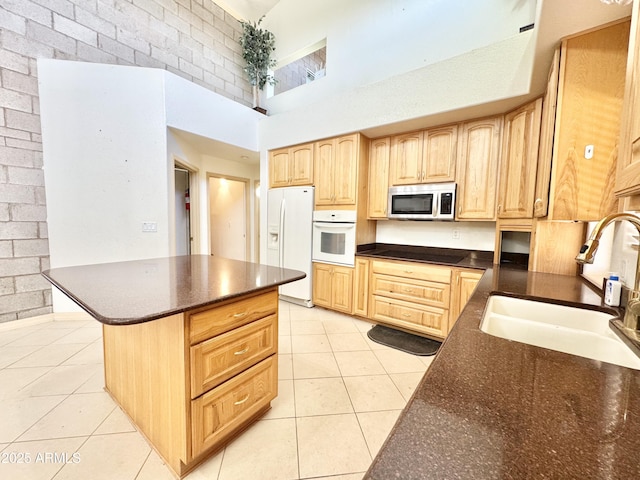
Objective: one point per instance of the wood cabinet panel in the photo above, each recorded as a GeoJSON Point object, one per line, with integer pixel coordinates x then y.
{"type": "Point", "coordinates": [439, 151]}
{"type": "Point", "coordinates": [419, 291]}
{"type": "Point", "coordinates": [379, 158]}
{"type": "Point", "coordinates": [219, 412]}
{"type": "Point", "coordinates": [291, 166]}
{"type": "Point", "coordinates": [406, 159]}
{"type": "Point", "coordinates": [346, 170]}
{"type": "Point", "coordinates": [221, 318]}
{"type": "Point", "coordinates": [361, 287]}
{"type": "Point", "coordinates": [628, 175]}
{"type": "Point", "coordinates": [591, 90]}
{"type": "Point", "coordinates": [279, 168]}
{"type": "Point", "coordinates": [413, 270]}
{"type": "Point", "coordinates": [220, 358]}
{"type": "Point", "coordinates": [477, 171]}
{"type": "Point", "coordinates": [322, 284]}
{"type": "Point", "coordinates": [324, 172]}
{"type": "Point", "coordinates": [519, 161]}
{"type": "Point", "coordinates": [333, 287]}
{"type": "Point", "coordinates": [423, 319]}
{"type": "Point", "coordinates": [463, 285]}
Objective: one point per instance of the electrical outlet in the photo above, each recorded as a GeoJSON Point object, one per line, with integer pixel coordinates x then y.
{"type": "Point", "coordinates": [149, 227]}
{"type": "Point", "coordinates": [456, 234]}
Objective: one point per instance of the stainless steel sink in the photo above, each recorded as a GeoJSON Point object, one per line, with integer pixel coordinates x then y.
{"type": "Point", "coordinates": [577, 331]}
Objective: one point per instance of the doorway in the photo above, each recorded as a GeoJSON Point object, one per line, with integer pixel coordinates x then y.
{"type": "Point", "coordinates": [228, 217]}
{"type": "Point", "coordinates": [183, 210]}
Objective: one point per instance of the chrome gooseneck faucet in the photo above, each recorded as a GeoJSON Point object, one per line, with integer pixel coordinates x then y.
{"type": "Point", "coordinates": [587, 253]}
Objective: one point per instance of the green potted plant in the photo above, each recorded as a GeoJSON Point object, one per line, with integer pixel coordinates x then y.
{"type": "Point", "coordinates": [257, 46]}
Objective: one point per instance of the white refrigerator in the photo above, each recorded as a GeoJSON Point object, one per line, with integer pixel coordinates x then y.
{"type": "Point", "coordinates": [289, 237]}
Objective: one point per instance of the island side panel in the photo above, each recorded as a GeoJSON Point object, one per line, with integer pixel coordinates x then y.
{"type": "Point", "coordinates": [147, 373]}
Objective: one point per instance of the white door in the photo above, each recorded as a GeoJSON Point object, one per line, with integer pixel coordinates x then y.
{"type": "Point", "coordinates": [228, 218]}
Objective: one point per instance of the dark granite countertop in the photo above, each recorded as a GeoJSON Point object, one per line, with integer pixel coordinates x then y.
{"type": "Point", "coordinates": [442, 256]}
{"type": "Point", "coordinates": [123, 293]}
{"type": "Point", "coordinates": [490, 408]}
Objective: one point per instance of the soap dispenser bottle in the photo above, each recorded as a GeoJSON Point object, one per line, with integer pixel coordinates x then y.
{"type": "Point", "coordinates": [612, 290]}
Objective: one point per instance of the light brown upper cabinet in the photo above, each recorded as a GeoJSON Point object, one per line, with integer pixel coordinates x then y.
{"type": "Point", "coordinates": [518, 164]}
{"type": "Point", "coordinates": [291, 166]}
{"type": "Point", "coordinates": [427, 156]}
{"type": "Point", "coordinates": [379, 151]}
{"type": "Point", "coordinates": [628, 179]}
{"type": "Point", "coordinates": [585, 151]}
{"type": "Point", "coordinates": [336, 170]}
{"type": "Point", "coordinates": [477, 171]}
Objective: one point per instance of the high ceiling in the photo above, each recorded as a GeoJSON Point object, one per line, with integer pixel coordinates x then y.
{"type": "Point", "coordinates": [250, 10]}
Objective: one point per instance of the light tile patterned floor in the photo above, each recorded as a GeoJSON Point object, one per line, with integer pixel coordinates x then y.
{"type": "Point", "coordinates": [339, 396]}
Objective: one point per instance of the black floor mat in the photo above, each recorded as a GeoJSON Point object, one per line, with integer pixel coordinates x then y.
{"type": "Point", "coordinates": [403, 341]}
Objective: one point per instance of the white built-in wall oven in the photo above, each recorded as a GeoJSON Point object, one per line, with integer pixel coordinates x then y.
{"type": "Point", "coordinates": [334, 236]}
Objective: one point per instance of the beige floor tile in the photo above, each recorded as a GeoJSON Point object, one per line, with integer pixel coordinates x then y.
{"type": "Point", "coordinates": [347, 342]}
{"type": "Point", "coordinates": [10, 355]}
{"type": "Point", "coordinates": [14, 380]}
{"type": "Point", "coordinates": [284, 327]}
{"type": "Point", "coordinates": [81, 335]}
{"type": "Point", "coordinates": [78, 415]}
{"type": "Point", "coordinates": [49, 355]}
{"type": "Point", "coordinates": [362, 325]}
{"type": "Point", "coordinates": [116, 422]}
{"type": "Point", "coordinates": [208, 470]}
{"type": "Point", "coordinates": [395, 361]}
{"type": "Point", "coordinates": [9, 336]}
{"type": "Point", "coordinates": [406, 382]}
{"type": "Point", "coordinates": [107, 457]}
{"type": "Point", "coordinates": [283, 406]}
{"type": "Point", "coordinates": [331, 445]}
{"type": "Point", "coordinates": [62, 380]}
{"type": "Point", "coordinates": [285, 367]}
{"type": "Point", "coordinates": [3, 446]}
{"type": "Point", "coordinates": [373, 345]}
{"type": "Point", "coordinates": [89, 322]}
{"type": "Point", "coordinates": [92, 353]}
{"type": "Point", "coordinates": [376, 427]}
{"type": "Point", "coordinates": [374, 393]}
{"type": "Point", "coordinates": [321, 396]}
{"type": "Point", "coordinates": [310, 344]}
{"type": "Point", "coordinates": [314, 365]}
{"type": "Point", "coordinates": [284, 344]}
{"type": "Point", "coordinates": [271, 447]}
{"type": "Point", "coordinates": [358, 363]}
{"type": "Point", "coordinates": [299, 313]}
{"type": "Point", "coordinates": [95, 383]}
{"type": "Point", "coordinates": [155, 469]}
{"type": "Point", "coordinates": [45, 458]}
{"type": "Point", "coordinates": [42, 336]}
{"type": "Point", "coordinates": [341, 324]}
{"type": "Point", "coordinates": [306, 327]}
{"type": "Point", "coordinates": [427, 359]}
{"type": "Point", "coordinates": [17, 415]}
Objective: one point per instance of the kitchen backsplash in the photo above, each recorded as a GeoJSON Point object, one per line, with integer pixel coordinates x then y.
{"type": "Point", "coordinates": [466, 235]}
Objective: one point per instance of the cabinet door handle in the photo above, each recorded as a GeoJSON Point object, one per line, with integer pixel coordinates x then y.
{"type": "Point", "coordinates": [240, 402]}
{"type": "Point", "coordinates": [408, 290]}
{"type": "Point", "coordinates": [241, 352]}
{"type": "Point", "coordinates": [239, 315]}
{"type": "Point", "coordinates": [408, 271]}
{"type": "Point", "coordinates": [406, 314]}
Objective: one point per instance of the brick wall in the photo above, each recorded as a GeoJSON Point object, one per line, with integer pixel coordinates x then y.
{"type": "Point", "coordinates": [295, 74]}
{"type": "Point", "coordinates": [195, 39]}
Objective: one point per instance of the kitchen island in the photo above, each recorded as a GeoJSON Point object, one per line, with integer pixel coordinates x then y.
{"type": "Point", "coordinates": [190, 345]}
{"type": "Point", "coordinates": [490, 408]}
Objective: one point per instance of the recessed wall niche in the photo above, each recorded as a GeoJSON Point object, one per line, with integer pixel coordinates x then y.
{"type": "Point", "coordinates": [309, 66]}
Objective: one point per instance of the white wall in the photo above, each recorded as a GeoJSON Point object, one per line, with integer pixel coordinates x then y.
{"type": "Point", "coordinates": [371, 40]}
{"type": "Point", "coordinates": [105, 166]}
{"type": "Point", "coordinates": [471, 235]}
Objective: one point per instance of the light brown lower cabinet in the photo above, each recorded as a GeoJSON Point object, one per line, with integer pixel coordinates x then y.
{"type": "Point", "coordinates": [333, 287]}
{"type": "Point", "coordinates": [192, 381]}
{"type": "Point", "coordinates": [418, 297]}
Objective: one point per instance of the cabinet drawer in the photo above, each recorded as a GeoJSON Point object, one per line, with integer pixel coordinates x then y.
{"type": "Point", "coordinates": [223, 356]}
{"type": "Point", "coordinates": [420, 291]}
{"type": "Point", "coordinates": [219, 319]}
{"type": "Point", "coordinates": [413, 270]}
{"type": "Point", "coordinates": [217, 413]}
{"type": "Point", "coordinates": [421, 318]}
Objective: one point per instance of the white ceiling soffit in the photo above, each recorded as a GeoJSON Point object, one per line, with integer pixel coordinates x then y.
{"type": "Point", "coordinates": [215, 148]}
{"type": "Point", "coordinates": [250, 10]}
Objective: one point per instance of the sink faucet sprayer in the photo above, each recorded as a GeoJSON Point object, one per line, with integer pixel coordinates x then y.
{"type": "Point", "coordinates": [587, 253]}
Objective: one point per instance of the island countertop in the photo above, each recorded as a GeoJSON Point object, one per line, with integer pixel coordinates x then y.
{"type": "Point", "coordinates": [123, 293]}
{"type": "Point", "coordinates": [490, 408]}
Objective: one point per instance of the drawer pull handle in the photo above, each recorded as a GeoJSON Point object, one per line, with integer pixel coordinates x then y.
{"type": "Point", "coordinates": [240, 402]}
{"type": "Point", "coordinates": [241, 352]}
{"type": "Point", "coordinates": [406, 314]}
{"type": "Point", "coordinates": [408, 271]}
{"type": "Point", "coordinates": [408, 290]}
{"type": "Point", "coordinates": [239, 315]}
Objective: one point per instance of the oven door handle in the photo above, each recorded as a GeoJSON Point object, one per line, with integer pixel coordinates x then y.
{"type": "Point", "coordinates": [334, 225]}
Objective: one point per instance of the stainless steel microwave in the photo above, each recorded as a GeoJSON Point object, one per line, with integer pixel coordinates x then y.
{"type": "Point", "coordinates": [431, 201]}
